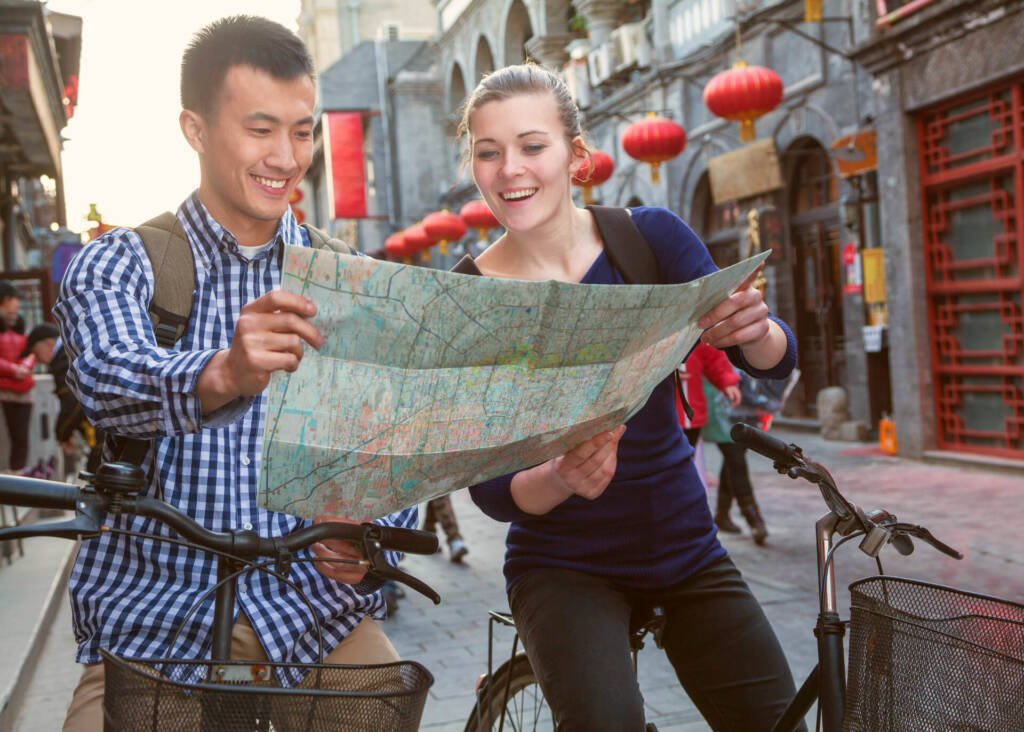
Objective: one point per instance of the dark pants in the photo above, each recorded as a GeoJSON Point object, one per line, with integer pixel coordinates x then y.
{"type": "Point", "coordinates": [734, 478]}
{"type": "Point", "coordinates": [441, 511]}
{"type": "Point", "coordinates": [18, 416]}
{"type": "Point", "coordinates": [575, 629]}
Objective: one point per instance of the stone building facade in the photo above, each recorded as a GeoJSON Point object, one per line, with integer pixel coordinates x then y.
{"type": "Point", "coordinates": [896, 157]}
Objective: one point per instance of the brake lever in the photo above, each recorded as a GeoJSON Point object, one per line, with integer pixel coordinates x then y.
{"type": "Point", "coordinates": [926, 536]}
{"type": "Point", "coordinates": [87, 523]}
{"type": "Point", "coordinates": [382, 569]}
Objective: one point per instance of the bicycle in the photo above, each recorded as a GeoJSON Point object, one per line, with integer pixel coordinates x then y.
{"type": "Point", "coordinates": [922, 656]}
{"type": "Point", "coordinates": [218, 693]}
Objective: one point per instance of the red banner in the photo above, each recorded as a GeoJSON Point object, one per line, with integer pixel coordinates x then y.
{"type": "Point", "coordinates": [345, 167]}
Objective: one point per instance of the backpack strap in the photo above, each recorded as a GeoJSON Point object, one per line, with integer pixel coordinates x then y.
{"type": "Point", "coordinates": [625, 246]}
{"type": "Point", "coordinates": [320, 240]}
{"type": "Point", "coordinates": [631, 255]}
{"type": "Point", "coordinates": [174, 277]}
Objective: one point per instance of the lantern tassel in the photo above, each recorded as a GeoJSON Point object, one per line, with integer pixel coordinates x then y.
{"type": "Point", "coordinates": [812, 11]}
{"type": "Point", "coordinates": [747, 131]}
{"type": "Point", "coordinates": [655, 175]}
{"type": "Point", "coordinates": [588, 195]}
{"type": "Point", "coordinates": [443, 247]}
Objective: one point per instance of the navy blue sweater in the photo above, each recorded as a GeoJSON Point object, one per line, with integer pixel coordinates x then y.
{"type": "Point", "coordinates": [652, 526]}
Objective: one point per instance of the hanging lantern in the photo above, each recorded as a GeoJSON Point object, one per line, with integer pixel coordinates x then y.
{"type": "Point", "coordinates": [653, 140]}
{"type": "Point", "coordinates": [442, 227]}
{"type": "Point", "coordinates": [417, 240]}
{"type": "Point", "coordinates": [394, 245]}
{"type": "Point", "coordinates": [479, 215]}
{"type": "Point", "coordinates": [742, 94]}
{"type": "Point", "coordinates": [595, 170]}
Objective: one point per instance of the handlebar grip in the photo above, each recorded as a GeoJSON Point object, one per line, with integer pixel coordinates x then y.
{"type": "Point", "coordinates": [36, 493]}
{"type": "Point", "coordinates": [765, 444]}
{"type": "Point", "coordinates": [410, 541]}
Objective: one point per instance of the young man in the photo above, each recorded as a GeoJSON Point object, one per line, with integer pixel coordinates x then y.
{"type": "Point", "coordinates": [247, 92]}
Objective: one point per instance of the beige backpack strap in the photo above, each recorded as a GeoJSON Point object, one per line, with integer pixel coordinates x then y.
{"type": "Point", "coordinates": [174, 276]}
{"type": "Point", "coordinates": [319, 240]}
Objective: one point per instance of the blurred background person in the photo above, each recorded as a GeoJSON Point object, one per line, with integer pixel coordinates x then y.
{"type": "Point", "coordinates": [712, 364]}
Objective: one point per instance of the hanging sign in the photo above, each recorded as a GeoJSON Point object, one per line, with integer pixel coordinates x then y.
{"type": "Point", "coordinates": [854, 279]}
{"type": "Point", "coordinates": [345, 166]}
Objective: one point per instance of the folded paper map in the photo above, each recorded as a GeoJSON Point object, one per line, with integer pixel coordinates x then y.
{"type": "Point", "coordinates": [431, 381]}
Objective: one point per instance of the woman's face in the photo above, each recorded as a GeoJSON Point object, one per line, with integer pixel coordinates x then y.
{"type": "Point", "coordinates": [522, 162]}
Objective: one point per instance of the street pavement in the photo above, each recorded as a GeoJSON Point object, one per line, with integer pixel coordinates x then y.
{"type": "Point", "coordinates": [973, 508]}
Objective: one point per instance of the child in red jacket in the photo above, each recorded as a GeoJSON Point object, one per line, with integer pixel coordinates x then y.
{"type": "Point", "coordinates": [712, 364]}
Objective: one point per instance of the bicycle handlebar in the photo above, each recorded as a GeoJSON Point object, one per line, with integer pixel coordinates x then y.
{"type": "Point", "coordinates": [114, 491]}
{"type": "Point", "coordinates": [790, 460]}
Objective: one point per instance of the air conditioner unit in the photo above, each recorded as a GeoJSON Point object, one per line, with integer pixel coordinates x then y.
{"type": "Point", "coordinates": [602, 62]}
{"type": "Point", "coordinates": [632, 46]}
{"type": "Point", "coordinates": [577, 80]}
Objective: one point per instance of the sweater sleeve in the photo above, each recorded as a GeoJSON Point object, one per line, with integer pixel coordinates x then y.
{"type": "Point", "coordinates": [494, 497]}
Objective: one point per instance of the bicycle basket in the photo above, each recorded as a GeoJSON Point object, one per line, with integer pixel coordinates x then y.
{"type": "Point", "coordinates": [928, 657]}
{"type": "Point", "coordinates": [143, 694]}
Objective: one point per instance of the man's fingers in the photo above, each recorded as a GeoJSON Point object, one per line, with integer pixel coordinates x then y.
{"type": "Point", "coordinates": [279, 322]}
{"type": "Point", "coordinates": [279, 300]}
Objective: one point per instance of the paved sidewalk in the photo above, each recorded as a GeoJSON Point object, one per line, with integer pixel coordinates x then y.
{"type": "Point", "coordinates": [966, 507]}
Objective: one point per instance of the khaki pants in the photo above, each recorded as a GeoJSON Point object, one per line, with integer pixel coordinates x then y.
{"type": "Point", "coordinates": [366, 644]}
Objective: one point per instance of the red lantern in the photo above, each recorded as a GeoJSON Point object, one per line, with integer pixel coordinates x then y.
{"type": "Point", "coordinates": [479, 215]}
{"type": "Point", "coordinates": [654, 140]}
{"type": "Point", "coordinates": [443, 226]}
{"type": "Point", "coordinates": [417, 240]}
{"type": "Point", "coordinates": [742, 94]}
{"type": "Point", "coordinates": [394, 245]}
{"type": "Point", "coordinates": [595, 170]}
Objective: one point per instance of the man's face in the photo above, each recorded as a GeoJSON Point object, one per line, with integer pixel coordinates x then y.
{"type": "Point", "coordinates": [254, 147]}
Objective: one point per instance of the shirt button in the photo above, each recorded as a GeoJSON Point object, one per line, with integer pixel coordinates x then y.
{"type": "Point", "coordinates": [245, 460]}
{"type": "Point", "coordinates": [247, 526]}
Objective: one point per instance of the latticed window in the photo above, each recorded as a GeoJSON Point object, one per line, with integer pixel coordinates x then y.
{"type": "Point", "coordinates": [972, 170]}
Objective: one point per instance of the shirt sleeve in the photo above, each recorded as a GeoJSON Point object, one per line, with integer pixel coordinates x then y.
{"type": "Point", "coordinates": [124, 381]}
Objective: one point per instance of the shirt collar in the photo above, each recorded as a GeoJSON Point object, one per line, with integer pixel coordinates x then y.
{"type": "Point", "coordinates": [208, 237]}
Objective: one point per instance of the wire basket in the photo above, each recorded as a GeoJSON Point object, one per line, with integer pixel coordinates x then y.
{"type": "Point", "coordinates": [149, 694]}
{"type": "Point", "coordinates": [928, 657]}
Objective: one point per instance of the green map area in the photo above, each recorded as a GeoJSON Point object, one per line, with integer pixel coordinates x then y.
{"type": "Point", "coordinates": [431, 381]}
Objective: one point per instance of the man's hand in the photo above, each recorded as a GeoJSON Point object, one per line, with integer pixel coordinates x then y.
{"type": "Point", "coordinates": [350, 574]}
{"type": "Point", "coordinates": [269, 337]}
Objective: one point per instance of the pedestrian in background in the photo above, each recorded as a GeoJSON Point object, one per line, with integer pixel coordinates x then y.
{"type": "Point", "coordinates": [705, 362]}
{"type": "Point", "coordinates": [441, 512]}
{"type": "Point", "coordinates": [16, 380]}
{"type": "Point", "coordinates": [761, 400]}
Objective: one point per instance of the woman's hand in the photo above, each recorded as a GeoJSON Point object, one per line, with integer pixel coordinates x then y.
{"type": "Point", "coordinates": [585, 471]}
{"type": "Point", "coordinates": [742, 320]}
{"type": "Point", "coordinates": [347, 572]}
{"type": "Point", "coordinates": [588, 469]}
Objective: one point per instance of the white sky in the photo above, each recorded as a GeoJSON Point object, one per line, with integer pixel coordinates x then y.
{"type": "Point", "coordinates": [124, 149]}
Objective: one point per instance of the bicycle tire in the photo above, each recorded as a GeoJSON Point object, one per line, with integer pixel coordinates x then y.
{"type": "Point", "coordinates": [525, 708]}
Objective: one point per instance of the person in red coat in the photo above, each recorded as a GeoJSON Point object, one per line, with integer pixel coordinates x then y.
{"type": "Point", "coordinates": [712, 364]}
{"type": "Point", "coordinates": [16, 380]}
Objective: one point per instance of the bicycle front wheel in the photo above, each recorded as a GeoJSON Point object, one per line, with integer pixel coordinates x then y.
{"type": "Point", "coordinates": [511, 700]}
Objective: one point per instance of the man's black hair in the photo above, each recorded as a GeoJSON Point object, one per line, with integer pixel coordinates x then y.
{"type": "Point", "coordinates": [7, 290]}
{"type": "Point", "coordinates": [239, 40]}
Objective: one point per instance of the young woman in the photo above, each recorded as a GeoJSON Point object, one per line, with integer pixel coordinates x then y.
{"type": "Point", "coordinates": [621, 521]}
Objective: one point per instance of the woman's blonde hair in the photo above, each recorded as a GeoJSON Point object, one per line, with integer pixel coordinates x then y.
{"type": "Point", "coordinates": [513, 81]}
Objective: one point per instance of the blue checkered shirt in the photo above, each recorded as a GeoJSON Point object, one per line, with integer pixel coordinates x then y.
{"type": "Point", "coordinates": [131, 595]}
